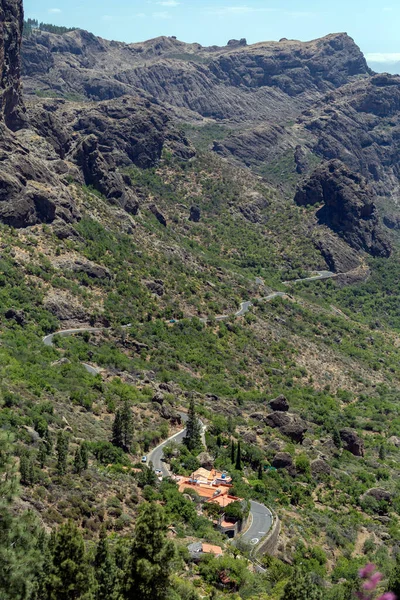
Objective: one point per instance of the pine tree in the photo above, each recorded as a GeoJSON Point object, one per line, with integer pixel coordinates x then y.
{"type": "Point", "coordinates": [394, 579]}
{"type": "Point", "coordinates": [20, 554]}
{"type": "Point", "coordinates": [42, 454]}
{"type": "Point", "coordinates": [150, 561]}
{"type": "Point", "coordinates": [127, 426]}
{"type": "Point", "coordinates": [238, 465]}
{"type": "Point", "coordinates": [192, 439]}
{"type": "Point", "coordinates": [70, 576]}
{"type": "Point", "coordinates": [105, 570]}
{"type": "Point", "coordinates": [122, 432]}
{"type": "Point", "coordinates": [233, 451]}
{"type": "Point", "coordinates": [62, 452]}
{"type": "Point", "coordinates": [26, 469]}
{"type": "Point", "coordinates": [302, 587]}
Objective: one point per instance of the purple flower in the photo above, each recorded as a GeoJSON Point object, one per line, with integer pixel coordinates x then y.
{"type": "Point", "coordinates": [366, 571]}
{"type": "Point", "coordinates": [388, 596]}
{"type": "Point", "coordinates": [373, 581]}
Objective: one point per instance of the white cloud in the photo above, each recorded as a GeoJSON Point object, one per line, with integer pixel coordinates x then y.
{"type": "Point", "coordinates": [161, 15]}
{"type": "Point", "coordinates": [244, 9]}
{"type": "Point", "coordinates": [55, 11]}
{"type": "Point", "coordinates": [168, 3]}
{"type": "Point", "coordinates": [383, 57]}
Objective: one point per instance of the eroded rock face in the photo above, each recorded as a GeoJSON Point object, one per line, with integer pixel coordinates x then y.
{"type": "Point", "coordinates": [320, 467]}
{"type": "Point", "coordinates": [348, 206]}
{"type": "Point", "coordinates": [352, 442]}
{"type": "Point", "coordinates": [288, 424]}
{"type": "Point", "coordinates": [11, 104]}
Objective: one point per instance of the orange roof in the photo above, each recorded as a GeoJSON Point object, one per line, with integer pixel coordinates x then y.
{"type": "Point", "coordinates": [224, 500]}
{"type": "Point", "coordinates": [227, 524]}
{"type": "Point", "coordinates": [209, 549]}
{"type": "Point", "coordinates": [204, 491]}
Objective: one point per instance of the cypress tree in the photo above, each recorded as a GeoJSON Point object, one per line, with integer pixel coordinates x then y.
{"type": "Point", "coordinates": [150, 561]}
{"type": "Point", "coordinates": [62, 452]}
{"type": "Point", "coordinates": [85, 455]}
{"type": "Point", "coordinates": [78, 462]}
{"type": "Point", "coordinates": [260, 471]}
{"type": "Point", "coordinates": [233, 451]}
{"type": "Point", "coordinates": [104, 570]}
{"type": "Point", "coordinates": [192, 439]}
{"type": "Point", "coordinates": [238, 465]}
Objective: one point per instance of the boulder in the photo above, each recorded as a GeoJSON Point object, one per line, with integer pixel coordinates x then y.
{"type": "Point", "coordinates": [159, 398]}
{"type": "Point", "coordinates": [249, 437]}
{"type": "Point", "coordinates": [17, 315]}
{"type": "Point", "coordinates": [195, 214]}
{"type": "Point", "coordinates": [206, 460]}
{"type": "Point", "coordinates": [320, 467]}
{"type": "Point", "coordinates": [282, 460]}
{"type": "Point", "coordinates": [352, 442]}
{"type": "Point", "coordinates": [278, 419]}
{"type": "Point", "coordinates": [158, 214]}
{"type": "Point", "coordinates": [156, 287]}
{"type": "Point", "coordinates": [279, 404]}
{"type": "Point", "coordinates": [379, 494]}
{"type": "Point", "coordinates": [295, 430]}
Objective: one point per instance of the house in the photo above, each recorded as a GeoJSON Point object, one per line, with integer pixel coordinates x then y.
{"type": "Point", "coordinates": [212, 477]}
{"type": "Point", "coordinates": [203, 490]}
{"type": "Point", "coordinates": [223, 500]}
{"type": "Point", "coordinates": [199, 549]}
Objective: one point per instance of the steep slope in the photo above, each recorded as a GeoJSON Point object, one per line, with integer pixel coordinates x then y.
{"type": "Point", "coordinates": [238, 82]}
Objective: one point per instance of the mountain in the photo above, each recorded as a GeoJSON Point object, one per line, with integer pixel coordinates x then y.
{"type": "Point", "coordinates": [172, 212]}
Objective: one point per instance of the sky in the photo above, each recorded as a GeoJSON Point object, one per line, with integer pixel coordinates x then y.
{"type": "Point", "coordinates": [373, 24]}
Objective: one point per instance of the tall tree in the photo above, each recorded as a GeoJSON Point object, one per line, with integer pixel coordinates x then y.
{"type": "Point", "coordinates": [150, 561]}
{"type": "Point", "coordinates": [105, 570]}
{"type": "Point", "coordinates": [62, 452]}
{"type": "Point", "coordinates": [78, 462]}
{"type": "Point", "coordinates": [192, 439]}
{"type": "Point", "coordinates": [302, 587]}
{"type": "Point", "coordinates": [233, 451]}
{"type": "Point", "coordinates": [70, 577]}
{"type": "Point", "coordinates": [394, 579]}
{"type": "Point", "coordinates": [122, 432]}
{"type": "Point", "coordinates": [20, 553]}
{"type": "Point", "coordinates": [238, 465]}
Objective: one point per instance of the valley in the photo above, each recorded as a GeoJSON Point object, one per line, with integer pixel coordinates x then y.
{"type": "Point", "coordinates": [199, 262]}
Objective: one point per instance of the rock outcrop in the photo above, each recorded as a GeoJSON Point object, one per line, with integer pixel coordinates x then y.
{"type": "Point", "coordinates": [348, 206]}
{"type": "Point", "coordinates": [279, 404]}
{"type": "Point", "coordinates": [352, 442]}
{"type": "Point", "coordinates": [282, 460]}
{"type": "Point", "coordinates": [288, 424]}
{"type": "Point", "coordinates": [11, 104]}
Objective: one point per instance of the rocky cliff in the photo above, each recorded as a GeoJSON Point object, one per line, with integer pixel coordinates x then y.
{"type": "Point", "coordinates": [236, 82]}
{"type": "Point", "coordinates": [348, 206]}
{"type": "Point", "coordinates": [11, 104]}
{"type": "Point", "coordinates": [42, 148]}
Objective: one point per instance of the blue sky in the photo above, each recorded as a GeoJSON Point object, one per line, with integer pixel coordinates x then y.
{"type": "Point", "coordinates": [374, 25]}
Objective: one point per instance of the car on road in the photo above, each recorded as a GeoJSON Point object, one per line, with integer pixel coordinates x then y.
{"type": "Point", "coordinates": [144, 459]}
